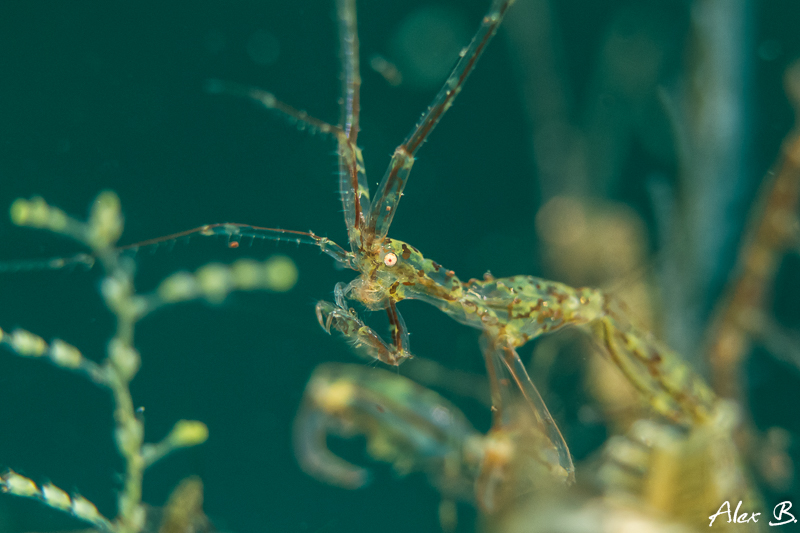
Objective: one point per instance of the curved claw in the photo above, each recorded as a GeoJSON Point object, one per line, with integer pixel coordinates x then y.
{"type": "Point", "coordinates": [410, 427]}
{"type": "Point", "coordinates": [364, 340]}
{"type": "Point", "coordinates": [325, 315]}
{"type": "Point", "coordinates": [311, 429]}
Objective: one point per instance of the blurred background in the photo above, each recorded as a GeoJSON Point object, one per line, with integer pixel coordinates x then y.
{"type": "Point", "coordinates": [616, 143]}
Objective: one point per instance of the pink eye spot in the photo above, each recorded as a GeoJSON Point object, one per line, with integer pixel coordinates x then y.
{"type": "Point", "coordinates": [390, 259]}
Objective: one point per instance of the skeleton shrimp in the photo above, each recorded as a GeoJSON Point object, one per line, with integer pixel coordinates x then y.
{"type": "Point", "coordinates": [655, 473]}
{"type": "Point", "coordinates": [417, 430]}
{"type": "Point", "coordinates": [508, 311]}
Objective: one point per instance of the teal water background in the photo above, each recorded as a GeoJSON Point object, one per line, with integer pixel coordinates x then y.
{"type": "Point", "coordinates": [108, 95]}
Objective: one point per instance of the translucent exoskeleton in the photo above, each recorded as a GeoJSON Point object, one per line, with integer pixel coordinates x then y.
{"type": "Point", "coordinates": [508, 311]}
{"type": "Point", "coordinates": [654, 474]}
{"type": "Point", "coordinates": [417, 430]}
{"type": "Point", "coordinates": [407, 425]}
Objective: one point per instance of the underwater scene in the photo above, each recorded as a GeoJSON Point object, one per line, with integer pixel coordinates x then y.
{"type": "Point", "coordinates": [583, 316]}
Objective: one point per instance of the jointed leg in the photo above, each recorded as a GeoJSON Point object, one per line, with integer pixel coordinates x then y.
{"type": "Point", "coordinates": [469, 57]}
{"type": "Point", "coordinates": [671, 387]}
{"type": "Point", "coordinates": [363, 338]}
{"type": "Point", "coordinates": [351, 79]}
{"type": "Point", "coordinates": [235, 232]}
{"type": "Point", "coordinates": [524, 443]}
{"type": "Point", "coordinates": [391, 187]}
{"type": "Point", "coordinates": [355, 194]}
{"type": "Point", "coordinates": [353, 186]}
{"type": "Point", "coordinates": [509, 378]}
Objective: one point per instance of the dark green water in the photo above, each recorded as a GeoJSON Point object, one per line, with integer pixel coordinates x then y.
{"type": "Point", "coordinates": [108, 95]}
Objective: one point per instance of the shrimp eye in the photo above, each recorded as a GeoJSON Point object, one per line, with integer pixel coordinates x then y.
{"type": "Point", "coordinates": [390, 259]}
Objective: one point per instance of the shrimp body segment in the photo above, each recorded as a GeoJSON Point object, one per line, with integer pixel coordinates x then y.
{"type": "Point", "coordinates": [417, 430]}
{"type": "Point", "coordinates": [508, 311]}
{"type": "Point", "coordinates": [406, 424]}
